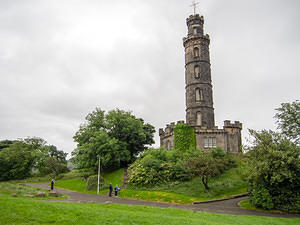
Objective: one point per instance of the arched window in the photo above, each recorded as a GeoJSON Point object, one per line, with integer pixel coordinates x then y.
{"type": "Point", "coordinates": [195, 30]}
{"type": "Point", "coordinates": [196, 52]}
{"type": "Point", "coordinates": [198, 119]}
{"type": "Point", "coordinates": [199, 94]}
{"type": "Point", "coordinates": [197, 71]}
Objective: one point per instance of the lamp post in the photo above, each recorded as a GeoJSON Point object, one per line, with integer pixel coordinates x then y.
{"type": "Point", "coordinates": [98, 175]}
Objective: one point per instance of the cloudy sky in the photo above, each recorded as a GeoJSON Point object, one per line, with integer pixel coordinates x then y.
{"type": "Point", "coordinates": [60, 59]}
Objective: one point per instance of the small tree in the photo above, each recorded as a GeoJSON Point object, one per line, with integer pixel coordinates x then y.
{"type": "Point", "coordinates": [203, 165]}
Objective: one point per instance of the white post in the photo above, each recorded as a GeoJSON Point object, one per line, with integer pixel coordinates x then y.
{"type": "Point", "coordinates": [98, 176]}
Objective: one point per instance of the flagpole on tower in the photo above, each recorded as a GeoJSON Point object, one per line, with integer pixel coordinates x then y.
{"type": "Point", "coordinates": [194, 5]}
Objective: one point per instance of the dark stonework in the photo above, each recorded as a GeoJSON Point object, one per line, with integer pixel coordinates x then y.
{"type": "Point", "coordinates": [194, 42]}
{"type": "Point", "coordinates": [199, 96]}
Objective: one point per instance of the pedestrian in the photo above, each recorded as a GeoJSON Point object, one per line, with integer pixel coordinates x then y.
{"type": "Point", "coordinates": [116, 190]}
{"type": "Point", "coordinates": [110, 189]}
{"type": "Point", "coordinates": [52, 184]}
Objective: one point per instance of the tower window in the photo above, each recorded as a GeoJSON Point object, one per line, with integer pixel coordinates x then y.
{"type": "Point", "coordinates": [198, 119]}
{"type": "Point", "coordinates": [197, 71]}
{"type": "Point", "coordinates": [196, 52]}
{"type": "Point", "coordinates": [168, 145]}
{"type": "Point", "coordinates": [210, 142]}
{"type": "Point", "coordinates": [195, 30]}
{"type": "Point", "coordinates": [199, 94]}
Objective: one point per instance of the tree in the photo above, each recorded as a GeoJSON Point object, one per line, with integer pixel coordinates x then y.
{"type": "Point", "coordinates": [117, 136]}
{"type": "Point", "coordinates": [274, 167]}
{"type": "Point", "coordinates": [16, 161]}
{"type": "Point", "coordinates": [203, 164]}
{"type": "Point", "coordinates": [288, 120]}
{"type": "Point", "coordinates": [19, 158]}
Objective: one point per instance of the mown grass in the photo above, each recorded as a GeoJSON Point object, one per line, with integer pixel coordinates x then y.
{"type": "Point", "coordinates": [29, 211]}
{"type": "Point", "coordinates": [22, 190]}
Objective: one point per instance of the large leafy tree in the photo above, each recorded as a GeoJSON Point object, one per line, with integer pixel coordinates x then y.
{"type": "Point", "coordinates": [18, 158]}
{"type": "Point", "coordinates": [117, 137]}
{"type": "Point", "coordinates": [288, 120]}
{"type": "Point", "coordinates": [274, 167]}
{"type": "Point", "coordinates": [16, 161]}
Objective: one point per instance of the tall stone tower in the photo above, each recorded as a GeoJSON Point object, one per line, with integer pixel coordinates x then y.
{"type": "Point", "coordinates": [199, 99]}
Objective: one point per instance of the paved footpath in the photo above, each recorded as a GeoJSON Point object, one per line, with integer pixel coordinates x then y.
{"type": "Point", "coordinates": [226, 207]}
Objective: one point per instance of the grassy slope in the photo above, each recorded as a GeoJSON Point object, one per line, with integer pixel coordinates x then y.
{"type": "Point", "coordinates": [229, 183]}
{"type": "Point", "coordinates": [28, 211]}
{"type": "Point", "coordinates": [78, 184]}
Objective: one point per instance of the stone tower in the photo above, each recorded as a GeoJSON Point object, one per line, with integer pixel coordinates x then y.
{"type": "Point", "coordinates": [199, 99]}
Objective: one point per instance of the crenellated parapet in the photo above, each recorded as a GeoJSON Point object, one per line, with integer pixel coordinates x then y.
{"type": "Point", "coordinates": [235, 124]}
{"type": "Point", "coordinates": [168, 131]}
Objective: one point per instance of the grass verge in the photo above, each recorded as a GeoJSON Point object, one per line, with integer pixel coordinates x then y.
{"type": "Point", "coordinates": [28, 211]}
{"type": "Point", "coordinates": [22, 190]}
{"type": "Point", "coordinates": [246, 204]}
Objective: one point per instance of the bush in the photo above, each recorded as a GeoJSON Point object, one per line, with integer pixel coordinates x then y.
{"type": "Point", "coordinates": [157, 166]}
{"type": "Point", "coordinates": [92, 183]}
{"type": "Point", "coordinates": [274, 165]}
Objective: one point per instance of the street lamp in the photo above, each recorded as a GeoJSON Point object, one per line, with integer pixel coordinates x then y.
{"type": "Point", "coordinates": [98, 175]}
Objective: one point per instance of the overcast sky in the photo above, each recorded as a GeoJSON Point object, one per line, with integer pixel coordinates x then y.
{"type": "Point", "coordinates": [60, 59]}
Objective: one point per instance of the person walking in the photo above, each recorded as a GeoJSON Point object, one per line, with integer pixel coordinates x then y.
{"type": "Point", "coordinates": [52, 184]}
{"type": "Point", "coordinates": [110, 189]}
{"type": "Point", "coordinates": [116, 190]}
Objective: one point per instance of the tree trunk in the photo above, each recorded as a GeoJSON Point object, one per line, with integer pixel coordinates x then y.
{"type": "Point", "coordinates": [204, 181]}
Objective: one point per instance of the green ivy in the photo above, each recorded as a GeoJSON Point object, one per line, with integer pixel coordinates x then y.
{"type": "Point", "coordinates": [184, 137]}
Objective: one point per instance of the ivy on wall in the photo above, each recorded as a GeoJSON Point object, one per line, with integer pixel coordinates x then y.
{"type": "Point", "coordinates": [184, 137]}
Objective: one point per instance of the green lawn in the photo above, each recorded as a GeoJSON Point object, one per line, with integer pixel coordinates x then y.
{"type": "Point", "coordinates": [29, 211]}
{"type": "Point", "coordinates": [78, 184]}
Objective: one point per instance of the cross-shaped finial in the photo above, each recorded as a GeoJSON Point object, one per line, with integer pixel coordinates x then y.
{"type": "Point", "coordinates": [194, 4]}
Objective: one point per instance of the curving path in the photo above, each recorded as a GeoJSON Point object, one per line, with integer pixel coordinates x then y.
{"type": "Point", "coordinates": [226, 207]}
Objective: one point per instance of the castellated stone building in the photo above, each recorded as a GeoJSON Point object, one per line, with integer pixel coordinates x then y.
{"type": "Point", "coordinates": [199, 96]}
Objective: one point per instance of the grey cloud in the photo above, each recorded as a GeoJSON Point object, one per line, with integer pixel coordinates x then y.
{"type": "Point", "coordinates": [61, 59]}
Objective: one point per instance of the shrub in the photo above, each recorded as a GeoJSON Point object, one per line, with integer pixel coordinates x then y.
{"type": "Point", "coordinates": [157, 166]}
{"type": "Point", "coordinates": [274, 165]}
{"type": "Point", "coordinates": [92, 183]}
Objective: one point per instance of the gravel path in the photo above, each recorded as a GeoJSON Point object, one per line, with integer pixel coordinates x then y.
{"type": "Point", "coordinates": [226, 207]}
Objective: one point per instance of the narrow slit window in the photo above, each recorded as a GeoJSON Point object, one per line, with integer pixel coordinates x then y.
{"type": "Point", "coordinates": [168, 145]}
{"type": "Point", "coordinates": [199, 119]}
{"type": "Point", "coordinates": [196, 52]}
{"type": "Point", "coordinates": [199, 94]}
{"type": "Point", "coordinates": [197, 71]}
